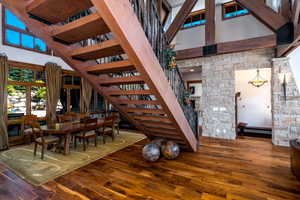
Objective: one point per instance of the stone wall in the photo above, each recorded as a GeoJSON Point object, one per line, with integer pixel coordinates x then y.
{"type": "Point", "coordinates": [218, 101]}
{"type": "Point", "coordinates": [285, 107]}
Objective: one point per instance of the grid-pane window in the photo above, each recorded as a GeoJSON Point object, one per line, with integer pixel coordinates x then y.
{"type": "Point", "coordinates": [233, 9]}
{"type": "Point", "coordinates": [195, 19]}
{"type": "Point", "coordinates": [38, 101]}
{"type": "Point", "coordinates": [18, 35]}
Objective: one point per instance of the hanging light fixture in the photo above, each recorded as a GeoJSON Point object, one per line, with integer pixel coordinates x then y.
{"type": "Point", "coordinates": [258, 80]}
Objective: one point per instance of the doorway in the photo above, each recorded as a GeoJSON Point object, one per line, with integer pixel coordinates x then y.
{"type": "Point", "coordinates": [253, 104]}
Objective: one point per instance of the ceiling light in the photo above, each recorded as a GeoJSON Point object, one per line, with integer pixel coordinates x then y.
{"type": "Point", "coordinates": [258, 80]}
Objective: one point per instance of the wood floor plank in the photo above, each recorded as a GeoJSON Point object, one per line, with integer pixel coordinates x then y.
{"type": "Point", "coordinates": [244, 169]}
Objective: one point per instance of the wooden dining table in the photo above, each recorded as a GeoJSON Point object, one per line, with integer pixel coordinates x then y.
{"type": "Point", "coordinates": [66, 129]}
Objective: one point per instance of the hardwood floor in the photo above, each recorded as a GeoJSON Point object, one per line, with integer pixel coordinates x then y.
{"type": "Point", "coordinates": [221, 170]}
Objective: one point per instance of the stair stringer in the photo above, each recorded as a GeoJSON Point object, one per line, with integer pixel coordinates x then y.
{"type": "Point", "coordinates": [140, 54]}
{"type": "Point", "coordinates": [18, 7]}
{"type": "Point", "coordinates": [121, 20]}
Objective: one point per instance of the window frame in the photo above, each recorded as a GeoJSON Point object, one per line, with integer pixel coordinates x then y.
{"type": "Point", "coordinates": [20, 31]}
{"type": "Point", "coordinates": [192, 14]}
{"type": "Point", "coordinates": [236, 4]}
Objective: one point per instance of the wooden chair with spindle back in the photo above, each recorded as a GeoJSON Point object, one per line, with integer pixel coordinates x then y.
{"type": "Point", "coordinates": [64, 118]}
{"type": "Point", "coordinates": [38, 136]}
{"type": "Point", "coordinates": [116, 117]}
{"type": "Point", "coordinates": [90, 125]}
{"type": "Point", "coordinates": [26, 126]}
{"type": "Point", "coordinates": [107, 128]}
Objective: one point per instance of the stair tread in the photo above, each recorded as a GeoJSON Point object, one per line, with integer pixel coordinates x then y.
{"type": "Point", "coordinates": [121, 80]}
{"type": "Point", "coordinates": [162, 130]}
{"type": "Point", "coordinates": [83, 28]}
{"type": "Point", "coordinates": [163, 135]}
{"type": "Point", "coordinates": [151, 118]}
{"type": "Point", "coordinates": [158, 125]}
{"type": "Point", "coordinates": [112, 67]}
{"type": "Point", "coordinates": [129, 92]}
{"type": "Point", "coordinates": [51, 10]}
{"type": "Point", "coordinates": [143, 110]}
{"type": "Point", "coordinates": [104, 49]}
{"type": "Point", "coordinates": [138, 102]}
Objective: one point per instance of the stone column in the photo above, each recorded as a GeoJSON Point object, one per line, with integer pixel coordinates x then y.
{"type": "Point", "coordinates": [218, 98]}
{"type": "Point", "coordinates": [285, 105]}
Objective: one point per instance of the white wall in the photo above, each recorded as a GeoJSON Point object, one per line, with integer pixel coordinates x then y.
{"type": "Point", "coordinates": [295, 65]}
{"type": "Point", "coordinates": [254, 104]}
{"type": "Point", "coordinates": [22, 55]}
{"type": "Point", "coordinates": [198, 89]}
{"type": "Point", "coordinates": [192, 76]}
{"type": "Point", "coordinates": [239, 28]}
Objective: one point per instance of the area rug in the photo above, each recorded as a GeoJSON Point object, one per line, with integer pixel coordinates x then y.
{"type": "Point", "coordinates": [36, 171]}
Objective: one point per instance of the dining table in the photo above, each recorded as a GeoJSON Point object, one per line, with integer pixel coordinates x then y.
{"type": "Point", "coordinates": [66, 129]}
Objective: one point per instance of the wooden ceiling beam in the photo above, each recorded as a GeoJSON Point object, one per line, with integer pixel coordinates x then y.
{"type": "Point", "coordinates": [285, 9]}
{"type": "Point", "coordinates": [179, 19]}
{"type": "Point", "coordinates": [231, 47]}
{"type": "Point", "coordinates": [284, 50]}
{"type": "Point", "coordinates": [295, 14]}
{"type": "Point", "coordinates": [210, 26]}
{"type": "Point", "coordinates": [264, 13]}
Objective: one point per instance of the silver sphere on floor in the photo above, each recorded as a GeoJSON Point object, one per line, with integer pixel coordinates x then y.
{"type": "Point", "coordinates": [170, 150]}
{"type": "Point", "coordinates": [151, 152]}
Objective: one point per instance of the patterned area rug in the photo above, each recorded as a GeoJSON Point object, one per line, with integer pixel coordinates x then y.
{"type": "Point", "coordinates": [37, 171]}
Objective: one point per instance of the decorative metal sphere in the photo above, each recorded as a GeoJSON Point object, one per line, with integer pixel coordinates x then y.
{"type": "Point", "coordinates": [151, 152]}
{"type": "Point", "coordinates": [170, 150]}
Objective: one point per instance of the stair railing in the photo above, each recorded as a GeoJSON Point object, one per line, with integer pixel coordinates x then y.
{"type": "Point", "coordinates": [146, 11]}
{"type": "Point", "coordinates": [147, 14]}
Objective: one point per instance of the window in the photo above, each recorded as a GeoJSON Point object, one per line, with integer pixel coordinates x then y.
{"type": "Point", "coordinates": [233, 9]}
{"type": "Point", "coordinates": [195, 19]}
{"type": "Point", "coordinates": [16, 34]}
{"type": "Point", "coordinates": [16, 100]}
{"type": "Point", "coordinates": [38, 101]}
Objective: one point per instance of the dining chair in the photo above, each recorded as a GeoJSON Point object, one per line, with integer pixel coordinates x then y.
{"type": "Point", "coordinates": [40, 138]}
{"type": "Point", "coordinates": [117, 120]}
{"type": "Point", "coordinates": [88, 132]}
{"type": "Point", "coordinates": [73, 115]}
{"type": "Point", "coordinates": [26, 126]}
{"type": "Point", "coordinates": [64, 118]}
{"type": "Point", "coordinates": [107, 128]}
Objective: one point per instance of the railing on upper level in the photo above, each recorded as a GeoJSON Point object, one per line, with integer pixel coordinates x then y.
{"type": "Point", "coordinates": [146, 11]}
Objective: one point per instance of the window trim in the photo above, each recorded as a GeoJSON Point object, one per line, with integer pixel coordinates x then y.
{"type": "Point", "coordinates": [193, 14]}
{"type": "Point", "coordinates": [20, 31]}
{"type": "Point", "coordinates": [223, 11]}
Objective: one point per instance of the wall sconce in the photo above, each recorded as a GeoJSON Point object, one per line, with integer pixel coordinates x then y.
{"type": "Point", "coordinates": [284, 86]}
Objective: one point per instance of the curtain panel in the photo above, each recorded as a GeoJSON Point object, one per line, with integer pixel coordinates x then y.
{"type": "Point", "coordinates": [3, 102]}
{"type": "Point", "coordinates": [53, 83]}
{"type": "Point", "coordinates": [86, 90]}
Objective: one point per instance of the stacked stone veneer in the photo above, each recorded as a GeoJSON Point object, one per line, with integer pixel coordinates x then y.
{"type": "Point", "coordinates": [285, 110]}
{"type": "Point", "coordinates": [218, 78]}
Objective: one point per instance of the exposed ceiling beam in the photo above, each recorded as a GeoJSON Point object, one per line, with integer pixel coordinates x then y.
{"type": "Point", "coordinates": [210, 26]}
{"type": "Point", "coordinates": [265, 14]}
{"type": "Point", "coordinates": [231, 47]}
{"type": "Point", "coordinates": [179, 19]}
{"type": "Point", "coordinates": [286, 49]}
{"type": "Point", "coordinates": [248, 44]}
{"type": "Point", "coordinates": [295, 13]}
{"type": "Point", "coordinates": [189, 53]}
{"type": "Point", "coordinates": [285, 9]}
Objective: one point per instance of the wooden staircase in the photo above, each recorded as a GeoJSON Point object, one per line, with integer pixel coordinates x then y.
{"type": "Point", "coordinates": [158, 115]}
